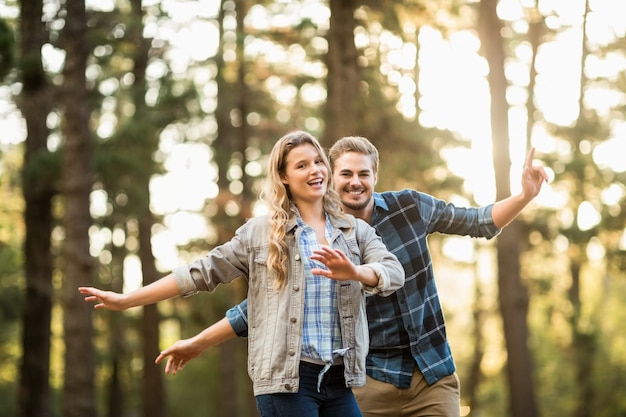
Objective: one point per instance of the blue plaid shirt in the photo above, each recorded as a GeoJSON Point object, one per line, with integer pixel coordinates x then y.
{"type": "Point", "coordinates": [321, 335]}
{"type": "Point", "coordinates": [407, 328]}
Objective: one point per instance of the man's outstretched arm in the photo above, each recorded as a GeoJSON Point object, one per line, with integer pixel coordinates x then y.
{"type": "Point", "coordinates": [184, 350]}
{"type": "Point", "coordinates": [234, 324]}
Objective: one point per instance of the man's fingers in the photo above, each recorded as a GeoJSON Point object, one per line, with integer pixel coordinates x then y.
{"type": "Point", "coordinates": [529, 159]}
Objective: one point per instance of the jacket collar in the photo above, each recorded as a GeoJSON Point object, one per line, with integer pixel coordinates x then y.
{"type": "Point", "coordinates": [337, 222]}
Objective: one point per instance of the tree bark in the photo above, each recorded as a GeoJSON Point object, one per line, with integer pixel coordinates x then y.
{"type": "Point", "coordinates": [343, 79]}
{"type": "Point", "coordinates": [77, 182]}
{"type": "Point", "coordinates": [153, 391]}
{"type": "Point", "coordinates": [230, 147]}
{"type": "Point", "coordinates": [38, 190]}
{"type": "Point", "coordinates": [513, 295]}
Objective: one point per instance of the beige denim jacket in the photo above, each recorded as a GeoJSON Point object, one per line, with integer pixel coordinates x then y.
{"type": "Point", "coordinates": [276, 315]}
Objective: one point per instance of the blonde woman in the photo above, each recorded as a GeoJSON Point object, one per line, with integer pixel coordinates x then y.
{"type": "Point", "coordinates": [308, 267]}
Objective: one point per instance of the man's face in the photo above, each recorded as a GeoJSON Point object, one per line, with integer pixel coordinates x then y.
{"type": "Point", "coordinates": [354, 180]}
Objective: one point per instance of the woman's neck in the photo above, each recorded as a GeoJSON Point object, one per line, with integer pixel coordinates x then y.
{"type": "Point", "coordinates": [311, 213]}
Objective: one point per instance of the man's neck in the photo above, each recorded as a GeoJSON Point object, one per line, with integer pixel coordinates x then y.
{"type": "Point", "coordinates": [363, 214]}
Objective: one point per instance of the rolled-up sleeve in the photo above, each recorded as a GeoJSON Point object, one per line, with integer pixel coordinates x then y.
{"type": "Point", "coordinates": [221, 265]}
{"type": "Point", "coordinates": [238, 318]}
{"type": "Point", "coordinates": [185, 283]}
{"type": "Point", "coordinates": [377, 257]}
{"type": "Point", "coordinates": [443, 217]}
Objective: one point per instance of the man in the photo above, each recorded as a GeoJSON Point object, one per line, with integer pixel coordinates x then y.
{"type": "Point", "coordinates": [410, 369]}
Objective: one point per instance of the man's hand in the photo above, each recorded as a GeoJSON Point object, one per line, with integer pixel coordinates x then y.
{"type": "Point", "coordinates": [533, 177]}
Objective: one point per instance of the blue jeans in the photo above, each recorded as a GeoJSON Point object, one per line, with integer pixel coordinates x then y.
{"type": "Point", "coordinates": [334, 398]}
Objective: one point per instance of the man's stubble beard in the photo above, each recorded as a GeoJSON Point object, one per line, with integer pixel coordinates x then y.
{"type": "Point", "coordinates": [356, 206]}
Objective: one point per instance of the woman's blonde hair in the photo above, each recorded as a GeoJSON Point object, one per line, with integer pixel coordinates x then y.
{"type": "Point", "coordinates": [277, 197]}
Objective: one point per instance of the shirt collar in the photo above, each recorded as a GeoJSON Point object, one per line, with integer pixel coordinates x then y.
{"type": "Point", "coordinates": [336, 222]}
{"type": "Point", "coordinates": [379, 201]}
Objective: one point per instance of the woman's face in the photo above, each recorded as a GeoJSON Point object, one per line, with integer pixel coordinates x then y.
{"type": "Point", "coordinates": [305, 174]}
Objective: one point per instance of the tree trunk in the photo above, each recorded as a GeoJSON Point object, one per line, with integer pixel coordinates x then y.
{"type": "Point", "coordinates": [513, 295]}
{"type": "Point", "coordinates": [343, 79]}
{"type": "Point", "coordinates": [77, 183]}
{"type": "Point", "coordinates": [153, 392]}
{"type": "Point", "coordinates": [230, 147]}
{"type": "Point", "coordinates": [38, 190]}
{"type": "Point", "coordinates": [585, 339]}
{"type": "Point", "coordinates": [116, 395]}
{"type": "Point", "coordinates": [470, 388]}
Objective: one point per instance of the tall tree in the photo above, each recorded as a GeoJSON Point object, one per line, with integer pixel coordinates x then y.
{"type": "Point", "coordinates": [77, 182]}
{"type": "Point", "coordinates": [145, 144]}
{"type": "Point", "coordinates": [513, 294]}
{"type": "Point", "coordinates": [233, 135]}
{"type": "Point", "coordinates": [38, 189]}
{"type": "Point", "coordinates": [343, 78]}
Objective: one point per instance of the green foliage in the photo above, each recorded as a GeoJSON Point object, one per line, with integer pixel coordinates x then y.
{"type": "Point", "coordinates": [11, 282]}
{"type": "Point", "coordinates": [7, 47]}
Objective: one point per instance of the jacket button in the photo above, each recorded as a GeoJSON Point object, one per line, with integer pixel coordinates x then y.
{"type": "Point", "coordinates": [293, 319]}
{"type": "Point", "coordinates": [288, 387]}
{"type": "Point", "coordinates": [297, 257]}
{"type": "Point", "coordinates": [296, 288]}
{"type": "Point", "coordinates": [292, 353]}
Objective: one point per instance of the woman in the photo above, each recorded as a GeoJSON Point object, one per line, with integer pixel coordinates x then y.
{"type": "Point", "coordinates": [308, 334]}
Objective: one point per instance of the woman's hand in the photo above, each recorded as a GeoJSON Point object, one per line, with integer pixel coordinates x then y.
{"type": "Point", "coordinates": [159, 290]}
{"type": "Point", "coordinates": [338, 266]}
{"type": "Point", "coordinates": [104, 299]}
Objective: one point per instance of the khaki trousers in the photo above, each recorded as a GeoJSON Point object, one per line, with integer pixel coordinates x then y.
{"type": "Point", "coordinates": [380, 399]}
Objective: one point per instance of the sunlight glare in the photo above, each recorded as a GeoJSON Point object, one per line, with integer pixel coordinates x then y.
{"type": "Point", "coordinates": [595, 250]}
{"type": "Point", "coordinates": [459, 249]}
{"type": "Point", "coordinates": [588, 217]}
{"type": "Point", "coordinates": [164, 250]}
{"type": "Point", "coordinates": [99, 238]}
{"type": "Point", "coordinates": [189, 181]}
{"type": "Point", "coordinates": [611, 153]}
{"type": "Point", "coordinates": [557, 89]}
{"type": "Point", "coordinates": [100, 5]}
{"type": "Point", "coordinates": [132, 273]}
{"type": "Point", "coordinates": [53, 58]}
{"type": "Point", "coordinates": [99, 205]}
{"type": "Point", "coordinates": [185, 226]}
{"type": "Point", "coordinates": [613, 194]}
{"type": "Point", "coordinates": [452, 82]}
{"type": "Point", "coordinates": [12, 124]}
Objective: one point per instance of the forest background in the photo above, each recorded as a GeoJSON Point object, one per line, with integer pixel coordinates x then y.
{"type": "Point", "coordinates": [134, 135]}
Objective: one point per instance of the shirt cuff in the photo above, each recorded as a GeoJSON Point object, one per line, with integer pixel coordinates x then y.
{"type": "Point", "coordinates": [383, 279]}
{"type": "Point", "coordinates": [238, 318]}
{"type": "Point", "coordinates": [184, 281]}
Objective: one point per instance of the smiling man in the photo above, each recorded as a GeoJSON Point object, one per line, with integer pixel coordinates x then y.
{"type": "Point", "coordinates": [410, 369]}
